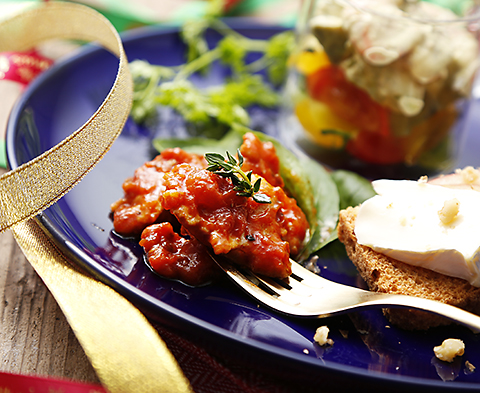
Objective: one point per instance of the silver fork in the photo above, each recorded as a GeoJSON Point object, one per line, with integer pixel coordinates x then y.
{"type": "Point", "coordinates": [306, 294]}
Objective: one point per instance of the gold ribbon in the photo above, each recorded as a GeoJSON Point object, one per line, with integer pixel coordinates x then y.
{"type": "Point", "coordinates": [125, 350]}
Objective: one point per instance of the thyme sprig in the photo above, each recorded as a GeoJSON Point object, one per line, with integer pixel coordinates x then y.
{"type": "Point", "coordinates": [230, 168]}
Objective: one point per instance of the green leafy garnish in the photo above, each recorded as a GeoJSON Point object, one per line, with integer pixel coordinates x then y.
{"type": "Point", "coordinates": [232, 169]}
{"type": "Point", "coordinates": [216, 109]}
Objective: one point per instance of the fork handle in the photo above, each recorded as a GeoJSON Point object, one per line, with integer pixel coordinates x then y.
{"type": "Point", "coordinates": [387, 300]}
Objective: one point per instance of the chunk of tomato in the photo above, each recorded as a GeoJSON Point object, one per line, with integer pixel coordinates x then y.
{"type": "Point", "coordinates": [330, 86]}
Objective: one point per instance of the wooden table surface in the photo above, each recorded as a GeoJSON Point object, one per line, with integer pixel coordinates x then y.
{"type": "Point", "coordinates": [35, 337]}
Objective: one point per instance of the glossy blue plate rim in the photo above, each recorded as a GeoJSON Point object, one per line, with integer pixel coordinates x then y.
{"type": "Point", "coordinates": [151, 305]}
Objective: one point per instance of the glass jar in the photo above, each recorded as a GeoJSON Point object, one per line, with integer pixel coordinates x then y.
{"type": "Point", "coordinates": [380, 87]}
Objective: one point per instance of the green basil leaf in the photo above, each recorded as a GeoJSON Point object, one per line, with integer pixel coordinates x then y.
{"type": "Point", "coordinates": [201, 145]}
{"type": "Point", "coordinates": [353, 189]}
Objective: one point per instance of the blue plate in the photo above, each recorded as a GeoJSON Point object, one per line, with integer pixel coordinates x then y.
{"type": "Point", "coordinates": [367, 352]}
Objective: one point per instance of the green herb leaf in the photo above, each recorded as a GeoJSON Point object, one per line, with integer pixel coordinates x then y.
{"type": "Point", "coordinates": [256, 186]}
{"type": "Point", "coordinates": [192, 34]}
{"type": "Point", "coordinates": [232, 53]}
{"type": "Point", "coordinates": [261, 198]}
{"type": "Point", "coordinates": [277, 53]}
{"type": "Point", "coordinates": [146, 80]}
{"type": "Point", "coordinates": [230, 168]}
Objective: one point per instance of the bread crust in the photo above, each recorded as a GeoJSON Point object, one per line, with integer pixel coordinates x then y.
{"type": "Point", "coordinates": [388, 275]}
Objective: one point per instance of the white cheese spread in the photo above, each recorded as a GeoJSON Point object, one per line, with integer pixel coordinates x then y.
{"type": "Point", "coordinates": [425, 225]}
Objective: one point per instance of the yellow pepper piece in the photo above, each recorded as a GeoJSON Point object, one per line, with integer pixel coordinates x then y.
{"type": "Point", "coordinates": [308, 62]}
{"type": "Point", "coordinates": [319, 121]}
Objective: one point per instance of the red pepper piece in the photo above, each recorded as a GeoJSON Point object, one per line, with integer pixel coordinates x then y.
{"type": "Point", "coordinates": [329, 85]}
{"type": "Point", "coordinates": [376, 148]}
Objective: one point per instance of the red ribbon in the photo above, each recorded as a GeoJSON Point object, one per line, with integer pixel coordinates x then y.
{"type": "Point", "coordinates": [13, 383]}
{"type": "Point", "coordinates": [22, 67]}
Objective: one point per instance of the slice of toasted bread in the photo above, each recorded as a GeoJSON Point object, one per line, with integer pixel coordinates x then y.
{"type": "Point", "coordinates": [384, 274]}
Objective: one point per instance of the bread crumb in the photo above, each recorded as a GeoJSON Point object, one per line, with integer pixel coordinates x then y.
{"type": "Point", "coordinates": [470, 368]}
{"type": "Point", "coordinates": [449, 349]}
{"type": "Point", "coordinates": [449, 212]}
{"type": "Point", "coordinates": [469, 174]}
{"type": "Point", "coordinates": [423, 179]}
{"type": "Point", "coordinates": [321, 336]}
